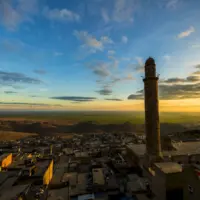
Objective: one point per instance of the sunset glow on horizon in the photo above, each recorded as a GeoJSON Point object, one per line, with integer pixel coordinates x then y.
{"type": "Point", "coordinates": [137, 105]}
{"type": "Point", "coordinates": [90, 55]}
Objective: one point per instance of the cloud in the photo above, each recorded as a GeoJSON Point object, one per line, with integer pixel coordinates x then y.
{"type": "Point", "coordinates": [140, 61]}
{"type": "Point", "coordinates": [129, 77]}
{"type": "Point", "coordinates": [99, 81]}
{"type": "Point", "coordinates": [195, 46]}
{"type": "Point", "coordinates": [106, 40]}
{"type": "Point", "coordinates": [114, 99]}
{"type": "Point", "coordinates": [135, 97]}
{"type": "Point", "coordinates": [9, 78]}
{"type": "Point", "coordinates": [58, 54]}
{"type": "Point", "coordinates": [103, 72]}
{"type": "Point", "coordinates": [40, 71]}
{"type": "Point", "coordinates": [115, 62]}
{"type": "Point", "coordinates": [197, 73]}
{"type": "Point", "coordinates": [175, 88]}
{"type": "Point", "coordinates": [29, 104]}
{"type": "Point", "coordinates": [74, 98]}
{"type": "Point", "coordinates": [139, 67]}
{"type": "Point", "coordinates": [167, 57]}
{"type": "Point", "coordinates": [10, 92]}
{"type": "Point", "coordinates": [179, 91]}
{"type": "Point", "coordinates": [172, 80]}
{"type": "Point", "coordinates": [63, 15]}
{"type": "Point", "coordinates": [111, 52]}
{"type": "Point", "coordinates": [193, 79]}
{"type": "Point", "coordinates": [105, 91]}
{"type": "Point", "coordinates": [115, 80]}
{"type": "Point", "coordinates": [12, 45]}
{"type": "Point", "coordinates": [198, 66]}
{"type": "Point", "coordinates": [172, 4]}
{"type": "Point", "coordinates": [123, 10]}
{"type": "Point", "coordinates": [105, 15]}
{"type": "Point", "coordinates": [34, 96]}
{"type": "Point", "coordinates": [103, 69]}
{"type": "Point", "coordinates": [188, 79]}
{"type": "Point", "coordinates": [30, 6]}
{"type": "Point", "coordinates": [113, 11]}
{"type": "Point", "coordinates": [124, 39]}
{"type": "Point", "coordinates": [17, 87]}
{"type": "Point", "coordinates": [13, 14]}
{"type": "Point", "coordinates": [43, 89]}
{"type": "Point", "coordinates": [108, 77]}
{"type": "Point", "coordinates": [100, 68]}
{"type": "Point", "coordinates": [90, 42]}
{"type": "Point", "coordinates": [126, 58]}
{"type": "Point", "coordinates": [186, 33]}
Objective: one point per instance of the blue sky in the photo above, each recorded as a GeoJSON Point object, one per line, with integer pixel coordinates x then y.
{"type": "Point", "coordinates": [89, 54]}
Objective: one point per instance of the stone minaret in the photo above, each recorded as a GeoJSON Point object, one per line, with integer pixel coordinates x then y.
{"type": "Point", "coordinates": [152, 123]}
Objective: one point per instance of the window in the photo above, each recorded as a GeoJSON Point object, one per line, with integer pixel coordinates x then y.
{"type": "Point", "coordinates": [190, 189]}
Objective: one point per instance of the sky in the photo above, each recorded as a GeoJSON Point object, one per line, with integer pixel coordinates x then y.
{"type": "Point", "coordinates": [90, 54]}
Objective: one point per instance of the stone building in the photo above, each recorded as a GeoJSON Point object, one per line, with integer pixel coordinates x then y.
{"type": "Point", "coordinates": [174, 173]}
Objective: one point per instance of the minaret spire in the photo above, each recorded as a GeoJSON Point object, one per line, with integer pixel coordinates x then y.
{"type": "Point", "coordinates": [152, 122]}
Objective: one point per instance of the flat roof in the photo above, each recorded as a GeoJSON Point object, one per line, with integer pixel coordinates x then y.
{"type": "Point", "coordinates": [68, 150]}
{"type": "Point", "coordinates": [8, 183]}
{"type": "Point", "coordinates": [71, 177]}
{"type": "Point", "coordinates": [61, 194]}
{"type": "Point", "coordinates": [82, 183]}
{"type": "Point", "coordinates": [58, 174]}
{"type": "Point", "coordinates": [82, 178]}
{"type": "Point", "coordinates": [169, 167]}
{"type": "Point", "coordinates": [81, 154]}
{"type": "Point", "coordinates": [138, 149]}
{"type": "Point", "coordinates": [135, 186]}
{"type": "Point", "coordinates": [182, 148]}
{"type": "Point", "coordinates": [136, 183]}
{"type": "Point", "coordinates": [98, 176]}
{"type": "Point", "coordinates": [3, 177]}
{"type": "Point", "coordinates": [13, 192]}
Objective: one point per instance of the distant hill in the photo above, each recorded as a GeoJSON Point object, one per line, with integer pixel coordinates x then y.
{"type": "Point", "coordinates": [8, 135]}
{"type": "Point", "coordinates": [83, 127]}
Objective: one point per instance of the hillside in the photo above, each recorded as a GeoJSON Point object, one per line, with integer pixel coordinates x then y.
{"type": "Point", "coordinates": [83, 127]}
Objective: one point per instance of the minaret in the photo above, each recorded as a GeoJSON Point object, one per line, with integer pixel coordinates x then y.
{"type": "Point", "coordinates": [152, 123]}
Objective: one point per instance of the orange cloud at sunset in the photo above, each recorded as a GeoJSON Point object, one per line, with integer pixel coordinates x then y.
{"type": "Point", "coordinates": [186, 105]}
